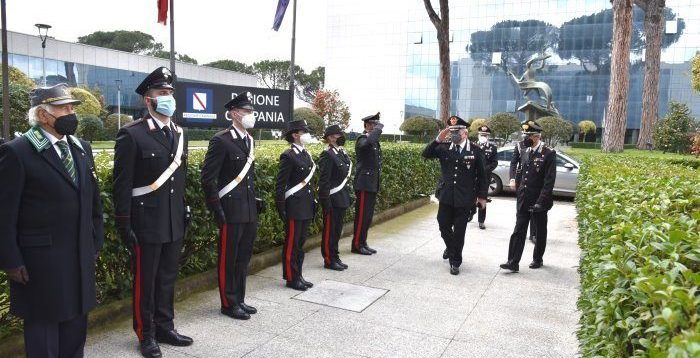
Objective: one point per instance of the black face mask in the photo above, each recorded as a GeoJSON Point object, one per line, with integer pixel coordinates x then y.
{"type": "Point", "coordinates": [528, 142]}
{"type": "Point", "coordinates": [66, 125]}
{"type": "Point", "coordinates": [340, 141]}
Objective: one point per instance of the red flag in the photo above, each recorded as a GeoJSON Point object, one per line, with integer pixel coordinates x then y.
{"type": "Point", "coordinates": [163, 11]}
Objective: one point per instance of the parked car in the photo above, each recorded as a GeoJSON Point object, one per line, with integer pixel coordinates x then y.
{"type": "Point", "coordinates": [567, 174]}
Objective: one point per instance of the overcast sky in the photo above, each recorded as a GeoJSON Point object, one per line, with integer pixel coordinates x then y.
{"type": "Point", "coordinates": [207, 30]}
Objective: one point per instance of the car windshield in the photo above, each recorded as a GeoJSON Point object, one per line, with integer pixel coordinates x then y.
{"type": "Point", "coordinates": [506, 155]}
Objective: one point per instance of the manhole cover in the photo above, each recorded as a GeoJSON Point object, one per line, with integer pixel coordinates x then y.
{"type": "Point", "coordinates": [342, 295]}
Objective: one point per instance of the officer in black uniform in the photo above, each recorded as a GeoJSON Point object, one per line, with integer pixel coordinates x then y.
{"type": "Point", "coordinates": [228, 174]}
{"type": "Point", "coordinates": [491, 160]}
{"type": "Point", "coordinates": [534, 183]}
{"type": "Point", "coordinates": [462, 185]}
{"type": "Point", "coordinates": [515, 168]}
{"type": "Point", "coordinates": [51, 226]}
{"type": "Point", "coordinates": [150, 163]}
{"type": "Point", "coordinates": [368, 153]}
{"type": "Point", "coordinates": [295, 201]}
{"type": "Point", "coordinates": [334, 166]}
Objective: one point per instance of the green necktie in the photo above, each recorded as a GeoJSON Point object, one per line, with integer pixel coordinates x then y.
{"type": "Point", "coordinates": [67, 159]}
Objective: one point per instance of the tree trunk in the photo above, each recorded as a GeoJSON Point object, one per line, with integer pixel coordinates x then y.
{"type": "Point", "coordinates": [653, 29]}
{"type": "Point", "coordinates": [442, 25]}
{"type": "Point", "coordinates": [616, 116]}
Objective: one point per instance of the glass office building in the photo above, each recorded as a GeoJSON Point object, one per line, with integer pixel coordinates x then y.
{"type": "Point", "coordinates": [82, 65]}
{"type": "Point", "coordinates": [492, 38]}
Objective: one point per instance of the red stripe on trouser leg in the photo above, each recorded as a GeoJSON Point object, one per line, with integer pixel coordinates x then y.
{"type": "Point", "coordinates": [137, 293]}
{"type": "Point", "coordinates": [327, 239]}
{"type": "Point", "coordinates": [222, 265]}
{"type": "Point", "coordinates": [288, 254]}
{"type": "Point", "coordinates": [360, 219]}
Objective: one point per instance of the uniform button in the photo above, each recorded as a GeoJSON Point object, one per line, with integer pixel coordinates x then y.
{"type": "Point", "coordinates": [142, 203]}
{"type": "Point", "coordinates": [172, 179]}
{"type": "Point", "coordinates": [526, 172]}
{"type": "Point", "coordinates": [228, 195]}
{"type": "Point", "coordinates": [455, 174]}
{"type": "Point", "coordinates": [455, 167]}
{"type": "Point", "coordinates": [454, 182]}
{"type": "Point", "coordinates": [172, 191]}
{"type": "Point", "coordinates": [172, 155]}
{"type": "Point", "coordinates": [153, 154]}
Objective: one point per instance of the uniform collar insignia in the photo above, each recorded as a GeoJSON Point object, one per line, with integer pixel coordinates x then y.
{"type": "Point", "coordinates": [37, 139]}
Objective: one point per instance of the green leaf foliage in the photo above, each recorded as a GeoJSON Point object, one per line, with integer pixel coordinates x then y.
{"type": "Point", "coordinates": [400, 161]}
{"type": "Point", "coordinates": [639, 233]}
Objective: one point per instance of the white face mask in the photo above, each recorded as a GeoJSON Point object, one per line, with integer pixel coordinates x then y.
{"type": "Point", "coordinates": [248, 121]}
{"type": "Point", "coordinates": [305, 139]}
{"type": "Point", "coordinates": [483, 139]}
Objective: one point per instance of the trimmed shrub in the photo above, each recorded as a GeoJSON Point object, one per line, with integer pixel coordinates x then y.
{"type": "Point", "coordinates": [90, 128]}
{"type": "Point", "coordinates": [89, 106]}
{"type": "Point", "coordinates": [587, 145]}
{"type": "Point", "coordinates": [316, 123]}
{"type": "Point", "coordinates": [674, 132]}
{"type": "Point", "coordinates": [111, 125]}
{"type": "Point", "coordinates": [640, 266]}
{"type": "Point", "coordinates": [19, 106]}
{"type": "Point", "coordinates": [400, 161]}
{"type": "Point", "coordinates": [555, 130]}
{"type": "Point", "coordinates": [503, 125]}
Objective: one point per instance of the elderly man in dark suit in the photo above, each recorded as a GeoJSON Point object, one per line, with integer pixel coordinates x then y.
{"type": "Point", "coordinates": [51, 227]}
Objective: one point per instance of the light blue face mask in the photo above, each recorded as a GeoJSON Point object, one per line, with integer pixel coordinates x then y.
{"type": "Point", "coordinates": [165, 105]}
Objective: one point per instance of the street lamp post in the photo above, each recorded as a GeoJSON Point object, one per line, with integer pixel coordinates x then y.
{"type": "Point", "coordinates": [43, 35]}
{"type": "Point", "coordinates": [119, 103]}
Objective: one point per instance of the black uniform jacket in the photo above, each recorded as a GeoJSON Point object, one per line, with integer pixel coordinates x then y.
{"type": "Point", "coordinates": [50, 225]}
{"type": "Point", "coordinates": [334, 166]}
{"type": "Point", "coordinates": [463, 175]}
{"type": "Point", "coordinates": [141, 155]}
{"type": "Point", "coordinates": [535, 180]}
{"type": "Point", "coordinates": [225, 159]}
{"type": "Point", "coordinates": [369, 162]}
{"type": "Point", "coordinates": [490, 156]}
{"type": "Point", "coordinates": [295, 166]}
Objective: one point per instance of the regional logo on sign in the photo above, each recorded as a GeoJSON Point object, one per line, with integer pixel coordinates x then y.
{"type": "Point", "coordinates": [200, 105]}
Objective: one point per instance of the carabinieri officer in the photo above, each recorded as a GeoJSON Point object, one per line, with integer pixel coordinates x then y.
{"type": "Point", "coordinates": [295, 201]}
{"type": "Point", "coordinates": [462, 185]}
{"type": "Point", "coordinates": [228, 174]}
{"type": "Point", "coordinates": [51, 226]}
{"type": "Point", "coordinates": [491, 161]}
{"type": "Point", "coordinates": [534, 183]}
{"type": "Point", "coordinates": [150, 163]}
{"type": "Point", "coordinates": [368, 152]}
{"type": "Point", "coordinates": [335, 167]}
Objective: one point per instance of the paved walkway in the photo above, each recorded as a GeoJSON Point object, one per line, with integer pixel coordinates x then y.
{"type": "Point", "coordinates": [426, 312]}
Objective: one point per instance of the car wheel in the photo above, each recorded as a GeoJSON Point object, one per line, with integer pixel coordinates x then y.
{"type": "Point", "coordinates": [495, 185]}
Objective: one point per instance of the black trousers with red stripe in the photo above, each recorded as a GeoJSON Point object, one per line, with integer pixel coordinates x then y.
{"type": "Point", "coordinates": [332, 230]}
{"type": "Point", "coordinates": [296, 232]}
{"type": "Point", "coordinates": [364, 213]}
{"type": "Point", "coordinates": [155, 271]}
{"type": "Point", "coordinates": [235, 251]}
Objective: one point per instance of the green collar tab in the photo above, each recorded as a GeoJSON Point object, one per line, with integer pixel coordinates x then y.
{"type": "Point", "coordinates": [39, 141]}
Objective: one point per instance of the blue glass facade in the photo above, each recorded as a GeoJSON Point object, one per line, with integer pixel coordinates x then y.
{"type": "Point", "coordinates": [493, 37]}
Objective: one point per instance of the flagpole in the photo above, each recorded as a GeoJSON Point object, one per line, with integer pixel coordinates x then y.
{"type": "Point", "coordinates": [172, 38]}
{"type": "Point", "coordinates": [292, 87]}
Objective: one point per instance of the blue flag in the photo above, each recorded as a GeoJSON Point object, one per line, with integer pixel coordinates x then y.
{"type": "Point", "coordinates": [279, 15]}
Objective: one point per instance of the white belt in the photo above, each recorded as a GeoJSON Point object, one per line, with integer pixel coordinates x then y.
{"type": "Point", "coordinates": [239, 178]}
{"type": "Point", "coordinates": [303, 183]}
{"type": "Point", "coordinates": [342, 185]}
{"type": "Point", "coordinates": [169, 171]}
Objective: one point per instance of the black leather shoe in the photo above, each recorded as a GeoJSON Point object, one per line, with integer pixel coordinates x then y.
{"type": "Point", "coordinates": [248, 309]}
{"type": "Point", "coordinates": [150, 348]}
{"type": "Point", "coordinates": [533, 239]}
{"type": "Point", "coordinates": [334, 266]}
{"type": "Point", "coordinates": [482, 226]}
{"type": "Point", "coordinates": [297, 285]}
{"type": "Point", "coordinates": [341, 263]}
{"type": "Point", "coordinates": [535, 264]}
{"type": "Point", "coordinates": [361, 251]}
{"type": "Point", "coordinates": [454, 270]}
{"type": "Point", "coordinates": [373, 251]}
{"type": "Point", "coordinates": [236, 312]}
{"type": "Point", "coordinates": [510, 266]}
{"type": "Point", "coordinates": [173, 338]}
{"type": "Point", "coordinates": [306, 283]}
{"type": "Point", "coordinates": [445, 255]}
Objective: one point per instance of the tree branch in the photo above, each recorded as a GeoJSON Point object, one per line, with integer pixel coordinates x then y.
{"type": "Point", "coordinates": [432, 15]}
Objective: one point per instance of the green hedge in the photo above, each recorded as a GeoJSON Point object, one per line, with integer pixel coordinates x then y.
{"type": "Point", "coordinates": [401, 162]}
{"type": "Point", "coordinates": [596, 145]}
{"type": "Point", "coordinates": [639, 232]}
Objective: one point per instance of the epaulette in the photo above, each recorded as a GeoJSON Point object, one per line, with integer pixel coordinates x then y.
{"type": "Point", "coordinates": [136, 122]}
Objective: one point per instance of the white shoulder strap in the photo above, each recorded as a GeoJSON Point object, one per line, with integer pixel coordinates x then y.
{"type": "Point", "coordinates": [303, 183]}
{"type": "Point", "coordinates": [169, 171]}
{"type": "Point", "coordinates": [243, 173]}
{"type": "Point", "coordinates": [342, 185]}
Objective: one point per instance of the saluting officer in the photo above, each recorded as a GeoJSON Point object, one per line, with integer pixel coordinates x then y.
{"type": "Point", "coordinates": [295, 201]}
{"type": "Point", "coordinates": [150, 163]}
{"type": "Point", "coordinates": [368, 152]}
{"type": "Point", "coordinates": [491, 161]}
{"type": "Point", "coordinates": [51, 227]}
{"type": "Point", "coordinates": [534, 184]}
{"type": "Point", "coordinates": [462, 185]}
{"type": "Point", "coordinates": [228, 174]}
{"type": "Point", "coordinates": [335, 167]}
{"type": "Point", "coordinates": [515, 169]}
